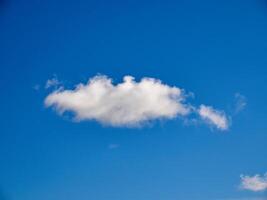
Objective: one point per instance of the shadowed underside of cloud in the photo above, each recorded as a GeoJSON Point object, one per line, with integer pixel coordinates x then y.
{"type": "Point", "coordinates": [129, 103]}
{"type": "Point", "coordinates": [254, 183]}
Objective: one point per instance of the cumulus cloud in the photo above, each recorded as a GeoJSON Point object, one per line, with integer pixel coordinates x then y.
{"type": "Point", "coordinates": [214, 117]}
{"type": "Point", "coordinates": [254, 183]}
{"type": "Point", "coordinates": [129, 103]}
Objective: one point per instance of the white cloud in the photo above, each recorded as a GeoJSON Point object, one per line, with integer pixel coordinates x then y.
{"type": "Point", "coordinates": [254, 183]}
{"type": "Point", "coordinates": [241, 102]}
{"type": "Point", "coordinates": [214, 117]}
{"type": "Point", "coordinates": [129, 103]}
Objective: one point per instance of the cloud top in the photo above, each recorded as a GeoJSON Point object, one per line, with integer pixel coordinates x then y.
{"type": "Point", "coordinates": [129, 103]}
{"type": "Point", "coordinates": [254, 183]}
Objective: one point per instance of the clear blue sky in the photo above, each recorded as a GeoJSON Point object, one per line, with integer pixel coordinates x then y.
{"type": "Point", "coordinates": [214, 49]}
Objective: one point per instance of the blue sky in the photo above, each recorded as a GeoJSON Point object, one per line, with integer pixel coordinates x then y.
{"type": "Point", "coordinates": [213, 49]}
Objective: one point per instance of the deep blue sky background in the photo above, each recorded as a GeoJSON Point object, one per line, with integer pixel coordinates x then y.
{"type": "Point", "coordinates": [211, 48]}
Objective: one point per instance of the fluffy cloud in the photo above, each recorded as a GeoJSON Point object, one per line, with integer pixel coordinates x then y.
{"type": "Point", "coordinates": [129, 103]}
{"type": "Point", "coordinates": [255, 183]}
{"type": "Point", "coordinates": [213, 117]}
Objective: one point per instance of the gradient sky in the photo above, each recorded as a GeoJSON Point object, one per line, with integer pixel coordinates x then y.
{"type": "Point", "coordinates": [214, 49]}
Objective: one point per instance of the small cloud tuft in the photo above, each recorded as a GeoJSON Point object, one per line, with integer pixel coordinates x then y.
{"type": "Point", "coordinates": [214, 117]}
{"type": "Point", "coordinates": [240, 102]}
{"type": "Point", "coordinates": [53, 82]}
{"type": "Point", "coordinates": [254, 183]}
